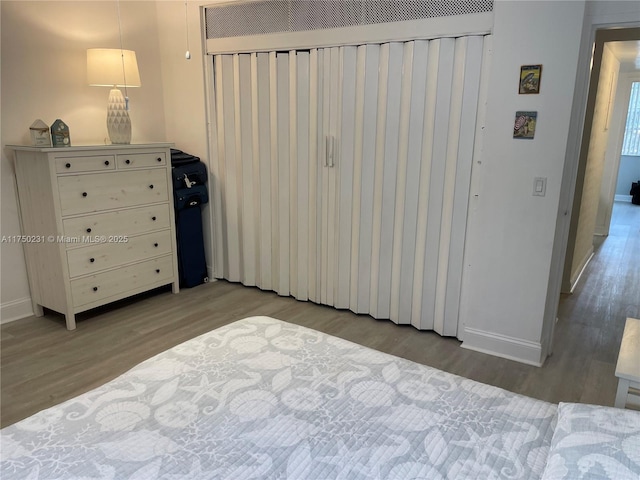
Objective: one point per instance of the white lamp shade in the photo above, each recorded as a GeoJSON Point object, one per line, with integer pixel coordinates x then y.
{"type": "Point", "coordinates": [107, 67]}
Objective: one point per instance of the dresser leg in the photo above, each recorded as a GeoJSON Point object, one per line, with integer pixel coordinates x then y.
{"type": "Point", "coordinates": [175, 287]}
{"type": "Point", "coordinates": [38, 311]}
{"type": "Point", "coordinates": [71, 321]}
{"type": "Point", "coordinates": [621, 394]}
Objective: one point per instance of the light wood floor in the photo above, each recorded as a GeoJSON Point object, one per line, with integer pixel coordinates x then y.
{"type": "Point", "coordinates": [43, 364]}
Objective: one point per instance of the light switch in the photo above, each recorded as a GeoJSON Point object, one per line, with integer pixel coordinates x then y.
{"type": "Point", "coordinates": [539, 186]}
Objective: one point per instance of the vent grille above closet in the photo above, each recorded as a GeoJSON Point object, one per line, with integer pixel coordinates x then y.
{"type": "Point", "coordinates": [278, 16]}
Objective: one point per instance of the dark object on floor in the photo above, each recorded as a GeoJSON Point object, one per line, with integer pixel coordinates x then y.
{"type": "Point", "coordinates": [635, 192]}
{"type": "Point", "coordinates": [189, 194]}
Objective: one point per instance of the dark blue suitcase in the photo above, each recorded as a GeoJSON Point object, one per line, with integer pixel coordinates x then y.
{"type": "Point", "coordinates": [190, 193]}
{"type": "Point", "coordinates": [190, 197]}
{"type": "Point", "coordinates": [178, 157]}
{"type": "Point", "coordinates": [192, 264]}
{"type": "Point", "coordinates": [189, 175]}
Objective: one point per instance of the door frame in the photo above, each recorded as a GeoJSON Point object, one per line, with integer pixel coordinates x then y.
{"type": "Point", "coordinates": [577, 130]}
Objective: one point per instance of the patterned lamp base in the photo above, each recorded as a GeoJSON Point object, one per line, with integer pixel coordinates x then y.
{"type": "Point", "coordinates": [118, 122]}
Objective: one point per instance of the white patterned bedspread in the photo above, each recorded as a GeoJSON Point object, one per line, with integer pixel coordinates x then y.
{"type": "Point", "coordinates": [261, 398]}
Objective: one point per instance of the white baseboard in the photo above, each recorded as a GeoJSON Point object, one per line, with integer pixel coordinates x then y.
{"type": "Point", "coordinates": [15, 310]}
{"type": "Point", "coordinates": [511, 348]}
{"type": "Point", "coordinates": [210, 272]}
{"type": "Point", "coordinates": [585, 261]}
{"type": "Point", "coordinates": [623, 198]}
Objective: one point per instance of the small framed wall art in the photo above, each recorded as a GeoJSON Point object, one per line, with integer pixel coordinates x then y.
{"type": "Point", "coordinates": [530, 76]}
{"type": "Point", "coordinates": [525, 125]}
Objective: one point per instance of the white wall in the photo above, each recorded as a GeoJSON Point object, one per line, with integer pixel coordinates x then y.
{"type": "Point", "coordinates": [43, 76]}
{"type": "Point", "coordinates": [629, 166]}
{"type": "Point", "coordinates": [629, 172]}
{"type": "Point", "coordinates": [615, 164]}
{"type": "Point", "coordinates": [580, 248]}
{"type": "Point", "coordinates": [511, 232]}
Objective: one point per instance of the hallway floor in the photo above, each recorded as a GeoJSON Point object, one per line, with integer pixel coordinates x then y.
{"type": "Point", "coordinates": [591, 320]}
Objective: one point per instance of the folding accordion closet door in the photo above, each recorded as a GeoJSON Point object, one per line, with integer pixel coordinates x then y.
{"type": "Point", "coordinates": [343, 174]}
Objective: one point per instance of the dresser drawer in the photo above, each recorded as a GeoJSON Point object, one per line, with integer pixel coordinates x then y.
{"type": "Point", "coordinates": [137, 160]}
{"type": "Point", "coordinates": [111, 190]}
{"type": "Point", "coordinates": [101, 286]}
{"type": "Point", "coordinates": [85, 164]}
{"type": "Point", "coordinates": [99, 256]}
{"type": "Point", "coordinates": [122, 222]}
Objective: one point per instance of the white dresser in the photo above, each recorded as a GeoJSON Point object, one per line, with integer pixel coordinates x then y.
{"type": "Point", "coordinates": [97, 223]}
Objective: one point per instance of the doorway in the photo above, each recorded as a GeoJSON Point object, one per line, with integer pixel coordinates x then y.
{"type": "Point", "coordinates": [622, 162]}
{"type": "Point", "coordinates": [615, 56]}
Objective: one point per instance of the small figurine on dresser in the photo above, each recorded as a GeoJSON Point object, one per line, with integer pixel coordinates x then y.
{"type": "Point", "coordinates": [60, 134]}
{"type": "Point", "coordinates": [40, 136]}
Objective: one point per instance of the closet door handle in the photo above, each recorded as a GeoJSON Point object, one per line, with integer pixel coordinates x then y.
{"type": "Point", "coordinates": [326, 151]}
{"type": "Point", "coordinates": [332, 157]}
{"type": "Point", "coordinates": [329, 147]}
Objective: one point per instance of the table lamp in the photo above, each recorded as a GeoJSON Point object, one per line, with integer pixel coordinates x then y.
{"type": "Point", "coordinates": [114, 67]}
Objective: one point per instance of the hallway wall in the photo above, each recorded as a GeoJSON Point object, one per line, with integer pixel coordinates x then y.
{"type": "Point", "coordinates": [581, 246]}
{"type": "Point", "coordinates": [629, 172]}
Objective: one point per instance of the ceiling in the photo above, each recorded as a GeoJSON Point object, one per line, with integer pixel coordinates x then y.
{"type": "Point", "coordinates": [628, 53]}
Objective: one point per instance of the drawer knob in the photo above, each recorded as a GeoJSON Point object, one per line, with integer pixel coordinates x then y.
{"type": "Point", "coordinates": [153, 218]}
{"type": "Point", "coordinates": [92, 260]}
{"type": "Point", "coordinates": [155, 244]}
{"type": "Point", "coordinates": [95, 289]}
{"type": "Point", "coordinates": [84, 194]}
{"type": "Point", "coordinates": [67, 165]}
{"type": "Point", "coordinates": [159, 159]}
{"type": "Point", "coordinates": [88, 230]}
{"type": "Point", "coordinates": [127, 161]}
{"type": "Point", "coordinates": [151, 186]}
{"type": "Point", "coordinates": [106, 162]}
{"type": "Point", "coordinates": [157, 270]}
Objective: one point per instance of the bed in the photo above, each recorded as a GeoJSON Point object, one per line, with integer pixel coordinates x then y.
{"type": "Point", "coordinates": [265, 399]}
